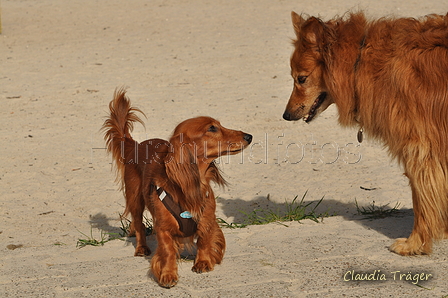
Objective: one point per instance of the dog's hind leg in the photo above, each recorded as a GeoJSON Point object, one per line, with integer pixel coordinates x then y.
{"type": "Point", "coordinates": [135, 205]}
{"type": "Point", "coordinates": [138, 228]}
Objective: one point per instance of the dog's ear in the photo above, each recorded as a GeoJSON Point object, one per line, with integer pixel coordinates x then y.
{"type": "Point", "coordinates": [312, 32]}
{"type": "Point", "coordinates": [305, 29]}
{"type": "Point", "coordinates": [297, 21]}
{"type": "Point", "coordinates": [182, 168]}
{"type": "Point", "coordinates": [214, 174]}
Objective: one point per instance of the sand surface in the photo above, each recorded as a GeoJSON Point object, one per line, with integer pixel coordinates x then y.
{"type": "Point", "coordinates": [60, 62]}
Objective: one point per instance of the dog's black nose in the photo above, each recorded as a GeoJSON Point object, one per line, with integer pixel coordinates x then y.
{"type": "Point", "coordinates": [248, 138]}
{"type": "Point", "coordinates": [287, 116]}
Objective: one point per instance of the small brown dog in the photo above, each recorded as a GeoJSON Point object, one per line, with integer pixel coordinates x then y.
{"type": "Point", "coordinates": [388, 77]}
{"type": "Point", "coordinates": [172, 179]}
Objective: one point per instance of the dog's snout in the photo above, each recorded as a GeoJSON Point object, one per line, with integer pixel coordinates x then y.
{"type": "Point", "coordinates": [287, 116]}
{"type": "Point", "coordinates": [248, 138]}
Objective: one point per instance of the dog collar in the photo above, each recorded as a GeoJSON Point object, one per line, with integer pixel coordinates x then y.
{"type": "Point", "coordinates": [187, 225]}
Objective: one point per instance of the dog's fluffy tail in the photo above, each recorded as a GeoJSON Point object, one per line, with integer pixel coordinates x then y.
{"type": "Point", "coordinates": [117, 128]}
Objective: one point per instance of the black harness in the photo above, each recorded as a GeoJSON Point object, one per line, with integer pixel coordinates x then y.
{"type": "Point", "coordinates": [187, 225]}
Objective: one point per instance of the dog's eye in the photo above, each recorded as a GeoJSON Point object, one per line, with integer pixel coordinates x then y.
{"type": "Point", "coordinates": [212, 128]}
{"type": "Point", "coordinates": [301, 79]}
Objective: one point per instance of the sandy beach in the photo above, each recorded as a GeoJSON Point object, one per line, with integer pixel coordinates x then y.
{"type": "Point", "coordinates": [60, 64]}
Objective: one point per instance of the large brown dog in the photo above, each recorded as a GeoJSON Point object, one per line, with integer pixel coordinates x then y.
{"type": "Point", "coordinates": [388, 77]}
{"type": "Point", "coordinates": [172, 179]}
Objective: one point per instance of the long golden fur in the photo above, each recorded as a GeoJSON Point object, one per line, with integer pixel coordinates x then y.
{"type": "Point", "coordinates": [183, 167]}
{"type": "Point", "coordinates": [390, 78]}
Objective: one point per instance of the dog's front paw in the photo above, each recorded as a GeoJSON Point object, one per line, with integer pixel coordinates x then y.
{"type": "Point", "coordinates": [202, 266]}
{"type": "Point", "coordinates": [141, 251]}
{"type": "Point", "coordinates": [404, 247]}
{"type": "Point", "coordinates": [168, 280]}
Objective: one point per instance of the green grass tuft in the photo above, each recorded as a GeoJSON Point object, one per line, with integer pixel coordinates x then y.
{"type": "Point", "coordinates": [125, 224]}
{"type": "Point", "coordinates": [375, 212]}
{"type": "Point", "coordinates": [90, 240]}
{"type": "Point", "coordinates": [294, 211]}
{"type": "Point", "coordinates": [107, 236]}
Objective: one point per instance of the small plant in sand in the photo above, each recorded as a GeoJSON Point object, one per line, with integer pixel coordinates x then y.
{"type": "Point", "coordinates": [108, 236]}
{"type": "Point", "coordinates": [90, 240]}
{"type": "Point", "coordinates": [126, 223]}
{"type": "Point", "coordinates": [297, 210]}
{"type": "Point", "coordinates": [374, 212]}
{"type": "Point", "coordinates": [232, 225]}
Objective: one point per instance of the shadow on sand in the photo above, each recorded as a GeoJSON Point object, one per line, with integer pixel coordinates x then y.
{"type": "Point", "coordinates": [402, 220]}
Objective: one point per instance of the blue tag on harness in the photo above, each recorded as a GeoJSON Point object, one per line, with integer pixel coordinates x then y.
{"type": "Point", "coordinates": [187, 225]}
{"type": "Point", "coordinates": [186, 214]}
